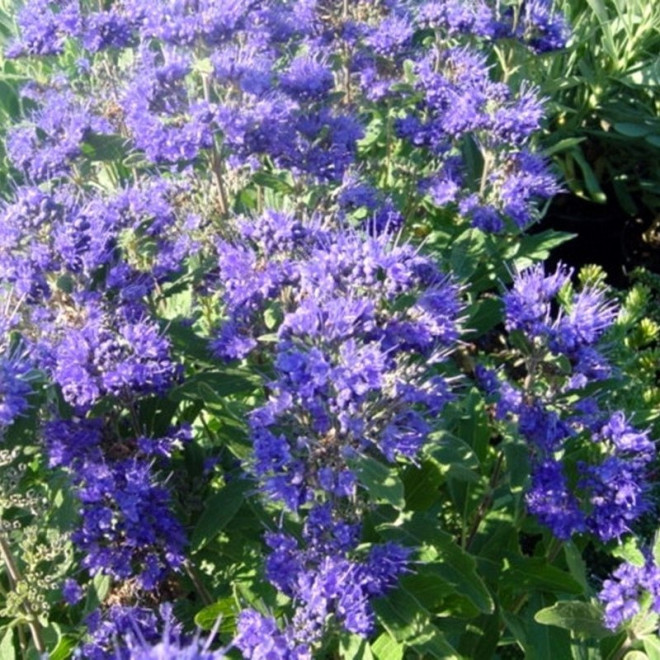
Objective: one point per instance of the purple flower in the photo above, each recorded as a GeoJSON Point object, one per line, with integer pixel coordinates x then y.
{"type": "Point", "coordinates": [307, 80]}
{"type": "Point", "coordinates": [551, 501]}
{"type": "Point", "coordinates": [528, 304]}
{"type": "Point", "coordinates": [14, 388]}
{"type": "Point", "coordinates": [72, 592]}
{"type": "Point", "coordinates": [542, 28]}
{"type": "Point", "coordinates": [44, 26]}
{"type": "Point", "coordinates": [622, 593]}
{"type": "Point", "coordinates": [48, 145]}
{"type": "Point", "coordinates": [258, 637]}
{"type": "Point", "coordinates": [127, 529]}
{"type": "Point", "coordinates": [617, 493]}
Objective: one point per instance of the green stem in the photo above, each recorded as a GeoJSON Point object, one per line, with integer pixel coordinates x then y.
{"type": "Point", "coordinates": [206, 597]}
{"type": "Point", "coordinates": [216, 160]}
{"type": "Point", "coordinates": [14, 578]}
{"type": "Point", "coordinates": [485, 502]}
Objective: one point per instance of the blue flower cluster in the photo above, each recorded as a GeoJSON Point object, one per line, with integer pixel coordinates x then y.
{"type": "Point", "coordinates": [127, 529]}
{"type": "Point", "coordinates": [270, 76]}
{"type": "Point", "coordinates": [352, 314]}
{"type": "Point", "coordinates": [139, 628]}
{"type": "Point", "coordinates": [459, 99]}
{"type": "Point", "coordinates": [623, 591]}
{"type": "Point", "coordinates": [14, 388]}
{"type": "Point", "coordinates": [561, 328]}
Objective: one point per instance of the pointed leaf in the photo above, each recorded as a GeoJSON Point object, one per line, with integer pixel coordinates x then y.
{"type": "Point", "coordinates": [581, 618]}
{"type": "Point", "coordinates": [387, 648]}
{"type": "Point", "coordinates": [220, 509]}
{"type": "Point", "coordinates": [382, 483]}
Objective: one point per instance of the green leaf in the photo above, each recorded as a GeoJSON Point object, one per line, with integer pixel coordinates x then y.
{"type": "Point", "coordinates": [590, 179]}
{"type": "Point", "coordinates": [220, 509]}
{"type": "Point", "coordinates": [562, 145]}
{"type": "Point", "coordinates": [433, 644]}
{"type": "Point", "coordinates": [401, 615]}
{"type": "Point", "coordinates": [225, 609]}
{"type": "Point", "coordinates": [387, 648]}
{"type": "Point", "coordinates": [106, 147]}
{"type": "Point", "coordinates": [273, 182]}
{"type": "Point", "coordinates": [467, 249]}
{"type": "Point", "coordinates": [451, 451]}
{"type": "Point", "coordinates": [421, 484]}
{"type": "Point", "coordinates": [576, 565]}
{"type": "Point", "coordinates": [652, 647]}
{"type": "Point", "coordinates": [538, 641]}
{"type": "Point", "coordinates": [610, 647]}
{"type": "Point", "coordinates": [537, 247]}
{"type": "Point", "coordinates": [483, 316]}
{"type": "Point", "coordinates": [632, 130]}
{"type": "Point", "coordinates": [187, 342]}
{"type": "Point", "coordinates": [98, 590]}
{"type": "Point", "coordinates": [213, 386]}
{"type": "Point", "coordinates": [442, 556]}
{"type": "Point", "coordinates": [458, 570]}
{"type": "Point", "coordinates": [474, 424]}
{"type": "Point", "coordinates": [656, 547]}
{"type": "Point", "coordinates": [7, 651]}
{"type": "Point", "coordinates": [630, 552]}
{"type": "Point", "coordinates": [272, 317]}
{"type": "Point", "coordinates": [517, 463]}
{"type": "Point", "coordinates": [354, 646]}
{"type": "Point", "coordinates": [62, 651]}
{"type": "Point", "coordinates": [534, 573]}
{"type": "Point", "coordinates": [581, 618]}
{"type": "Point", "coordinates": [635, 655]}
{"type": "Point", "coordinates": [381, 482]}
{"type": "Point", "coordinates": [481, 638]}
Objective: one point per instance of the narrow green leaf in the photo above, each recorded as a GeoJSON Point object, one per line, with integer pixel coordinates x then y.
{"type": "Point", "coordinates": [635, 655]}
{"type": "Point", "coordinates": [590, 179]}
{"type": "Point", "coordinates": [563, 145]}
{"type": "Point", "coordinates": [576, 565]}
{"type": "Point", "coordinates": [98, 590]}
{"type": "Point", "coordinates": [225, 609]}
{"type": "Point", "coordinates": [272, 182]}
{"type": "Point", "coordinates": [381, 482]}
{"type": "Point", "coordinates": [633, 130]}
{"type": "Point", "coordinates": [517, 463]}
{"type": "Point", "coordinates": [580, 618]}
{"type": "Point", "coordinates": [219, 510]}
{"type": "Point", "coordinates": [355, 647]}
{"type": "Point", "coordinates": [401, 615]}
{"type": "Point", "coordinates": [7, 651]}
{"type": "Point", "coordinates": [387, 648]}
{"type": "Point", "coordinates": [421, 485]}
{"type": "Point", "coordinates": [187, 342]}
{"type": "Point", "coordinates": [652, 647]}
{"type": "Point", "coordinates": [62, 651]}
{"type": "Point", "coordinates": [106, 147]}
{"type": "Point", "coordinates": [536, 247]}
{"type": "Point", "coordinates": [213, 386]}
{"type": "Point", "coordinates": [483, 316]}
{"type": "Point", "coordinates": [656, 547]}
{"type": "Point", "coordinates": [534, 573]}
{"type": "Point", "coordinates": [433, 644]}
{"type": "Point", "coordinates": [465, 253]}
{"type": "Point", "coordinates": [474, 424]}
